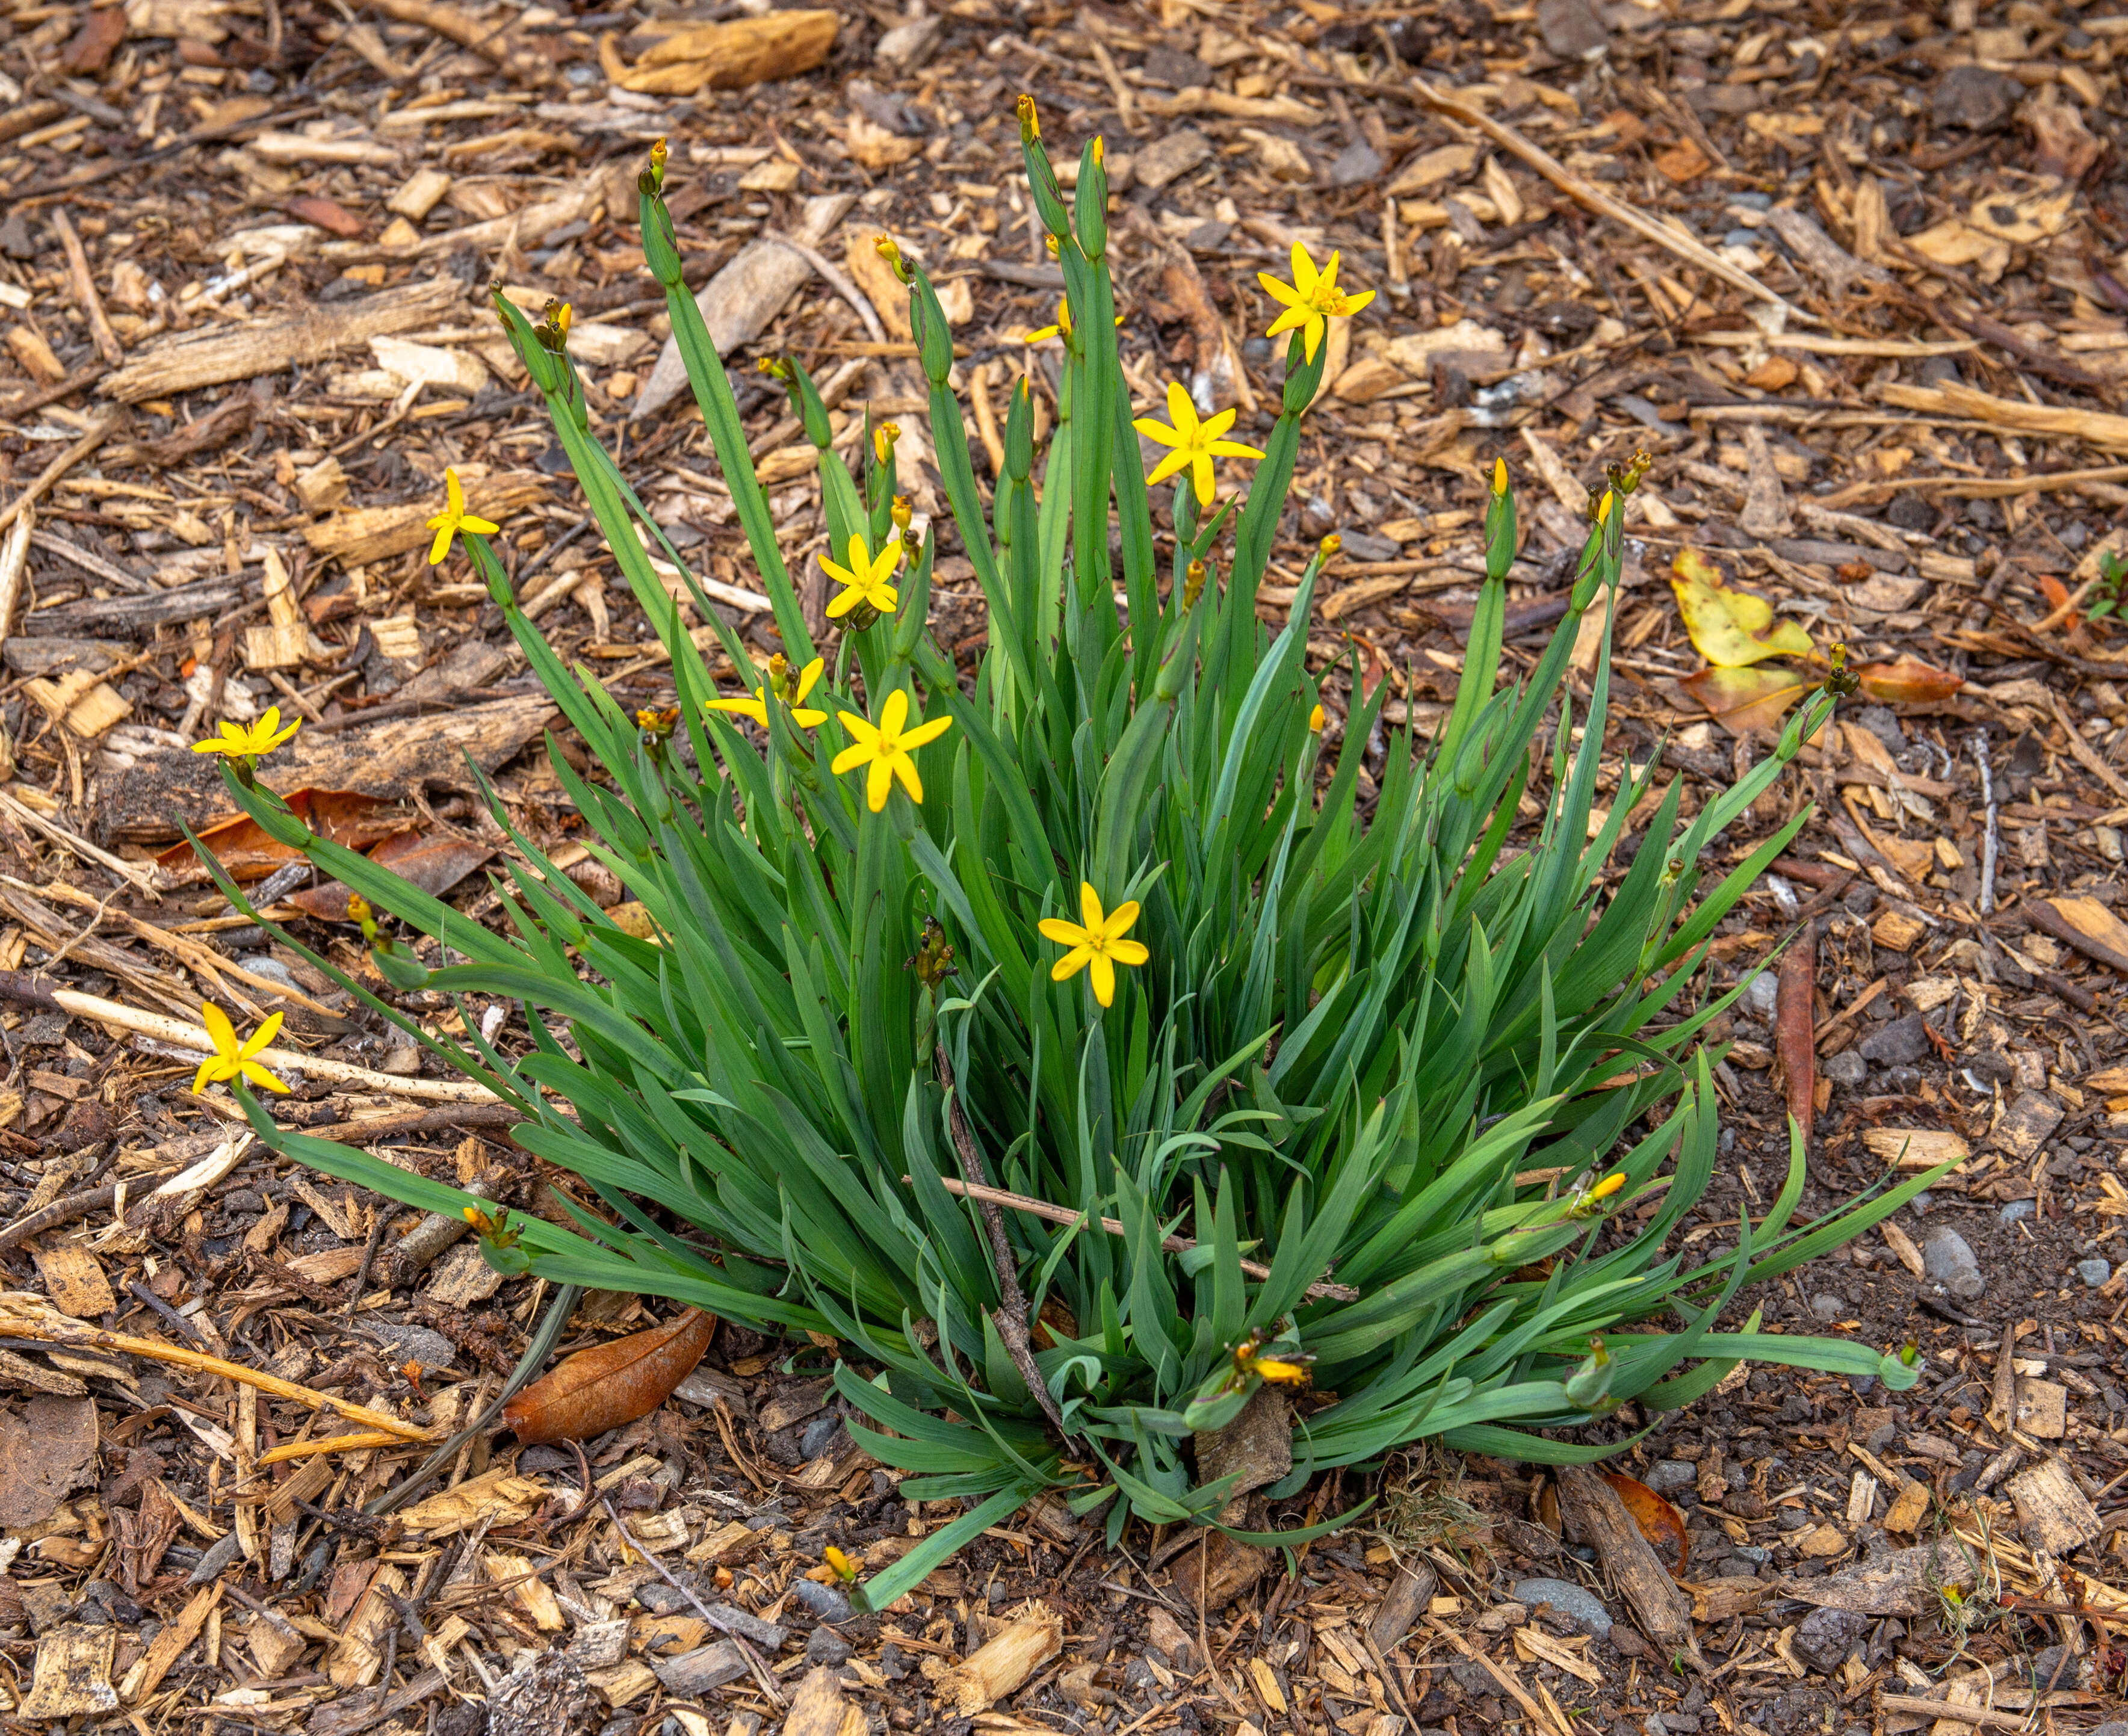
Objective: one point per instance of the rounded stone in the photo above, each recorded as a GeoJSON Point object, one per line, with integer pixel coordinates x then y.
{"type": "Point", "coordinates": [1577, 1604]}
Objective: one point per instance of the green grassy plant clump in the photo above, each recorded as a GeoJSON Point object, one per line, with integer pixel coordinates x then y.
{"type": "Point", "coordinates": [1114, 929]}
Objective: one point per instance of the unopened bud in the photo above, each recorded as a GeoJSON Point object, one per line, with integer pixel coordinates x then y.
{"type": "Point", "coordinates": [1030, 122]}
{"type": "Point", "coordinates": [1330, 545]}
{"type": "Point", "coordinates": [1193, 584]}
{"type": "Point", "coordinates": [883, 438]}
{"type": "Point", "coordinates": [902, 513]}
{"type": "Point", "coordinates": [1499, 475]}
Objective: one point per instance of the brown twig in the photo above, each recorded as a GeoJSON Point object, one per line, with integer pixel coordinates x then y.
{"type": "Point", "coordinates": [83, 283]}
{"type": "Point", "coordinates": [1010, 1316]}
{"type": "Point", "coordinates": [44, 395]}
{"type": "Point", "coordinates": [24, 1318]}
{"type": "Point", "coordinates": [1321, 1289]}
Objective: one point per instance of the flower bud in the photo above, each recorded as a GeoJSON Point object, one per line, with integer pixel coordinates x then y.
{"type": "Point", "coordinates": [883, 438]}
{"type": "Point", "coordinates": [1100, 149]}
{"type": "Point", "coordinates": [1499, 475]}
{"type": "Point", "coordinates": [1193, 584]}
{"type": "Point", "coordinates": [1316, 718]}
{"type": "Point", "coordinates": [1030, 122]}
{"type": "Point", "coordinates": [1330, 545]}
{"type": "Point", "coordinates": [888, 249]}
{"type": "Point", "coordinates": [902, 513]}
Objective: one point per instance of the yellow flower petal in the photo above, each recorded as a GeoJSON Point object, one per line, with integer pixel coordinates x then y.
{"type": "Point", "coordinates": [1103, 975]}
{"type": "Point", "coordinates": [1129, 952]}
{"type": "Point", "coordinates": [1090, 907]}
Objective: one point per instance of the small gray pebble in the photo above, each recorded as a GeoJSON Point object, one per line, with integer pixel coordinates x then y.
{"type": "Point", "coordinates": [1577, 1603]}
{"type": "Point", "coordinates": [2018, 1210]}
{"type": "Point", "coordinates": [824, 1645]}
{"type": "Point", "coordinates": [1828, 1308]}
{"type": "Point", "coordinates": [1846, 1068]}
{"type": "Point", "coordinates": [2093, 1271]}
{"type": "Point", "coordinates": [825, 1601]}
{"type": "Point", "coordinates": [1667, 1475]}
{"type": "Point", "coordinates": [1947, 1260]}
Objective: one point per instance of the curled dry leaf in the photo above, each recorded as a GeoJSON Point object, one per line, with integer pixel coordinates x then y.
{"type": "Point", "coordinates": [601, 1388]}
{"type": "Point", "coordinates": [1732, 629]}
{"type": "Point", "coordinates": [1659, 1521]}
{"type": "Point", "coordinates": [1908, 681]}
{"type": "Point", "coordinates": [435, 864]}
{"type": "Point", "coordinates": [1795, 1028]}
{"type": "Point", "coordinates": [242, 845]}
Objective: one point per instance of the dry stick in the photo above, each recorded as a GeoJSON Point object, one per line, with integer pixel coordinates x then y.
{"type": "Point", "coordinates": [1685, 247]}
{"type": "Point", "coordinates": [83, 286]}
{"type": "Point", "coordinates": [1984, 1717]}
{"type": "Point", "coordinates": [1011, 1315]}
{"type": "Point", "coordinates": [130, 872]}
{"type": "Point", "coordinates": [16, 986]}
{"type": "Point", "coordinates": [44, 395]}
{"type": "Point", "coordinates": [54, 1329]}
{"type": "Point", "coordinates": [211, 964]}
{"type": "Point", "coordinates": [1322, 1289]}
{"type": "Point", "coordinates": [2086, 755]}
{"type": "Point", "coordinates": [59, 1211]}
{"type": "Point", "coordinates": [99, 431]}
{"type": "Point", "coordinates": [14, 568]}
{"type": "Point", "coordinates": [1991, 843]}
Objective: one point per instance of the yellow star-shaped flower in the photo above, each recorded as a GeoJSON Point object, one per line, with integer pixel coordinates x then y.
{"type": "Point", "coordinates": [757, 708]}
{"type": "Point", "coordinates": [246, 741]}
{"type": "Point", "coordinates": [864, 579]}
{"type": "Point", "coordinates": [1195, 443]}
{"type": "Point", "coordinates": [1311, 300]}
{"type": "Point", "coordinates": [231, 1060]}
{"type": "Point", "coordinates": [886, 749]}
{"type": "Point", "coordinates": [1097, 942]}
{"type": "Point", "coordinates": [454, 518]}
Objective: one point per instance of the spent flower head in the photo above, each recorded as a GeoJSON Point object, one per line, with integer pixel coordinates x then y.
{"type": "Point", "coordinates": [1311, 300]}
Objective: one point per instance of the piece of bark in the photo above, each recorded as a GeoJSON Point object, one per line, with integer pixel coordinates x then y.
{"type": "Point", "coordinates": [140, 803]}
{"type": "Point", "coordinates": [1902, 1582]}
{"type": "Point", "coordinates": [1765, 511]}
{"type": "Point", "coordinates": [1592, 1514]}
{"type": "Point", "coordinates": [1795, 1027]}
{"type": "Point", "coordinates": [1841, 269]}
{"type": "Point", "coordinates": [1405, 1602]}
{"type": "Point", "coordinates": [2052, 1511]}
{"type": "Point", "coordinates": [134, 616]}
{"type": "Point", "coordinates": [214, 354]}
{"type": "Point", "coordinates": [727, 56]}
{"type": "Point", "coordinates": [737, 303]}
{"type": "Point", "coordinates": [1255, 1449]}
{"type": "Point", "coordinates": [1005, 1662]}
{"type": "Point", "coordinates": [2081, 923]}
{"type": "Point", "coordinates": [366, 534]}
{"type": "Point", "coordinates": [818, 1708]}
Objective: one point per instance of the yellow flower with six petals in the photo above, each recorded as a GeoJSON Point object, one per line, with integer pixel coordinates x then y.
{"type": "Point", "coordinates": [231, 1060]}
{"type": "Point", "coordinates": [243, 742]}
{"type": "Point", "coordinates": [453, 520]}
{"type": "Point", "coordinates": [757, 708]}
{"type": "Point", "coordinates": [1194, 444]}
{"type": "Point", "coordinates": [864, 579]}
{"type": "Point", "coordinates": [1097, 942]}
{"type": "Point", "coordinates": [1311, 300]}
{"type": "Point", "coordinates": [886, 749]}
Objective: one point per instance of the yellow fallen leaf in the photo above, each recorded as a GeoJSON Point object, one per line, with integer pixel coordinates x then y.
{"type": "Point", "coordinates": [1732, 629]}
